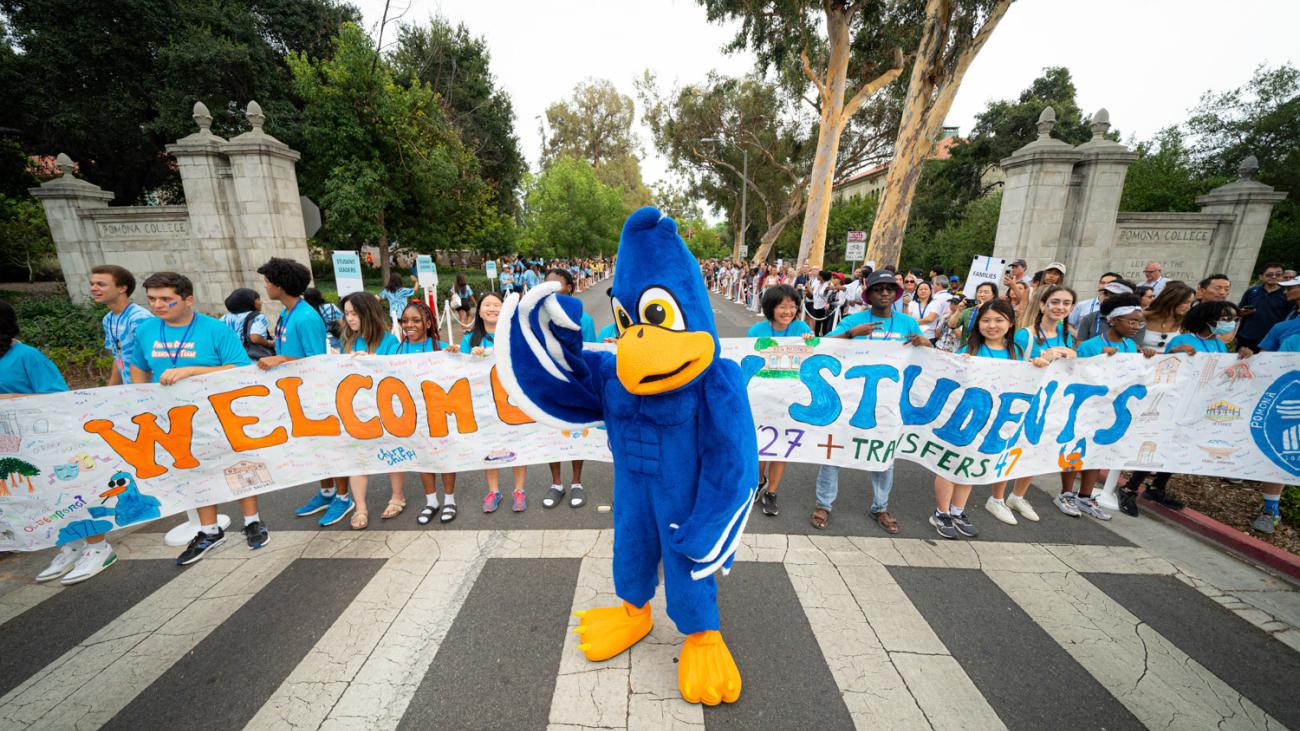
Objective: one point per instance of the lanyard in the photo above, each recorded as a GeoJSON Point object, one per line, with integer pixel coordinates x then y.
{"type": "Point", "coordinates": [773, 333]}
{"type": "Point", "coordinates": [162, 338]}
{"type": "Point", "coordinates": [1207, 348]}
{"type": "Point", "coordinates": [403, 350]}
{"type": "Point", "coordinates": [987, 352]}
{"type": "Point", "coordinates": [888, 333]}
{"type": "Point", "coordinates": [1122, 345]}
{"type": "Point", "coordinates": [282, 324]}
{"type": "Point", "coordinates": [923, 308]}
{"type": "Point", "coordinates": [115, 331]}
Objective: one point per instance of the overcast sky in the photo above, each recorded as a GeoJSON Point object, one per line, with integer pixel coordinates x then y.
{"type": "Point", "coordinates": [1146, 61]}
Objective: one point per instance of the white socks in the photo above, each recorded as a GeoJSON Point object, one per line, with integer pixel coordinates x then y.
{"type": "Point", "coordinates": [328, 492]}
{"type": "Point", "coordinates": [250, 519]}
{"type": "Point", "coordinates": [211, 530]}
{"type": "Point", "coordinates": [448, 499]}
{"type": "Point", "coordinates": [432, 500]}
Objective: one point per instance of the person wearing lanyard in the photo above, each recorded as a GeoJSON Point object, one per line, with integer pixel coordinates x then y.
{"type": "Point", "coordinates": [780, 308]}
{"type": "Point", "coordinates": [299, 333]}
{"type": "Point", "coordinates": [1123, 314]}
{"type": "Point", "coordinates": [880, 322]}
{"type": "Point", "coordinates": [180, 343]}
{"type": "Point", "coordinates": [1284, 337]}
{"type": "Point", "coordinates": [925, 309]}
{"type": "Point", "coordinates": [480, 341]}
{"type": "Point", "coordinates": [112, 286]}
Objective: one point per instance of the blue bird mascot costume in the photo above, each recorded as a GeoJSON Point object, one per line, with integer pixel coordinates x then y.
{"type": "Point", "coordinates": [680, 429]}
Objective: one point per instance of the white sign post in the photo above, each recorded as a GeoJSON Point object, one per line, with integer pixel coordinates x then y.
{"type": "Point", "coordinates": [744, 251]}
{"type": "Point", "coordinates": [426, 271]}
{"type": "Point", "coordinates": [856, 247]}
{"type": "Point", "coordinates": [347, 273]}
{"type": "Point", "coordinates": [983, 269]}
{"type": "Point", "coordinates": [491, 268]}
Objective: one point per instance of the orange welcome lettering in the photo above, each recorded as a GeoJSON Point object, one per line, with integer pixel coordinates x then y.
{"type": "Point", "coordinates": [300, 425]}
{"type": "Point", "coordinates": [399, 426]}
{"type": "Point", "coordinates": [347, 391]}
{"type": "Point", "coordinates": [507, 412]}
{"type": "Point", "coordinates": [440, 403]}
{"type": "Point", "coordinates": [139, 452]}
{"type": "Point", "coordinates": [233, 424]}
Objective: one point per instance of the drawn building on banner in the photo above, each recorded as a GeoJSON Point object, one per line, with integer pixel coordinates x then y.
{"type": "Point", "coordinates": [1222, 411]}
{"type": "Point", "coordinates": [244, 477]}
{"type": "Point", "coordinates": [1166, 370]}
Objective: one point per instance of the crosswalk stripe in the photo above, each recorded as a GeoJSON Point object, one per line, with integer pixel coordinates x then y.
{"type": "Point", "coordinates": [1155, 680]}
{"type": "Point", "coordinates": [89, 684]}
{"type": "Point", "coordinates": [381, 690]}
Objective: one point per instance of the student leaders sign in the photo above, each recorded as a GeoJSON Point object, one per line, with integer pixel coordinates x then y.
{"type": "Point", "coordinates": [85, 462]}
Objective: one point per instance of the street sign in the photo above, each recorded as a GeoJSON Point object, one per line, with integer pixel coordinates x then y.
{"type": "Point", "coordinates": [347, 273]}
{"type": "Point", "coordinates": [310, 216]}
{"type": "Point", "coordinates": [426, 271]}
{"type": "Point", "coordinates": [983, 269]}
{"type": "Point", "coordinates": [856, 248]}
{"type": "Point", "coordinates": [744, 251]}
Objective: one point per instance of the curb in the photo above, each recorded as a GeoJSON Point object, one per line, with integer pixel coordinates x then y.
{"type": "Point", "coordinates": [1228, 537]}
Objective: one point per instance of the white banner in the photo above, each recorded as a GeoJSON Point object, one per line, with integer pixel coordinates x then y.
{"type": "Point", "coordinates": [85, 462]}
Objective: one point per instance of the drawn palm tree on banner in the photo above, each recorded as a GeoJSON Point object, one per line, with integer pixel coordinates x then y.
{"type": "Point", "coordinates": [11, 468]}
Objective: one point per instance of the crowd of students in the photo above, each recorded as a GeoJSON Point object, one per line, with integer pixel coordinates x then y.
{"type": "Point", "coordinates": [170, 341]}
{"type": "Point", "coordinates": [1028, 318]}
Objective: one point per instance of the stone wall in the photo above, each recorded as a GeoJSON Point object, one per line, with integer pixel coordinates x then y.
{"type": "Point", "coordinates": [1061, 203]}
{"type": "Point", "coordinates": [241, 208]}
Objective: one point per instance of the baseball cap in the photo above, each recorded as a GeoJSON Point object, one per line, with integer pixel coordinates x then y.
{"type": "Point", "coordinates": [1020, 263]}
{"type": "Point", "coordinates": [1058, 266]}
{"type": "Point", "coordinates": [1117, 288]}
{"type": "Point", "coordinates": [881, 277]}
{"type": "Point", "coordinates": [954, 278]}
{"type": "Point", "coordinates": [1291, 282]}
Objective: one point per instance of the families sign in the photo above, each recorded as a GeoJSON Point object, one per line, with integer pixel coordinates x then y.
{"type": "Point", "coordinates": [85, 462]}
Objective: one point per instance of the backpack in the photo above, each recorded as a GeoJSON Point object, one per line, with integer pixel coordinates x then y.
{"type": "Point", "coordinates": [255, 351]}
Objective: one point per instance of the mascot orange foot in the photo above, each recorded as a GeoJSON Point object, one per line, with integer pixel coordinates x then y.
{"type": "Point", "coordinates": [706, 672]}
{"type": "Point", "coordinates": [607, 631]}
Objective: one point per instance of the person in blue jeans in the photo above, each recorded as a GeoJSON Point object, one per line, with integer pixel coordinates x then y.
{"type": "Point", "coordinates": [880, 322]}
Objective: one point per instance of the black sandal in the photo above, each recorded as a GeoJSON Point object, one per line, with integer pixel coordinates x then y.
{"type": "Point", "coordinates": [552, 497]}
{"type": "Point", "coordinates": [577, 496]}
{"type": "Point", "coordinates": [448, 513]}
{"type": "Point", "coordinates": [426, 515]}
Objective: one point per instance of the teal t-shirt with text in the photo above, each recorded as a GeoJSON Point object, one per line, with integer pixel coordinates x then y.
{"type": "Point", "coordinates": [898, 327]}
{"type": "Point", "coordinates": [204, 342]}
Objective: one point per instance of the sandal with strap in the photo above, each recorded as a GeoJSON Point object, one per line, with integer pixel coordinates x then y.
{"type": "Point", "coordinates": [820, 517]}
{"type": "Point", "coordinates": [552, 497]}
{"type": "Point", "coordinates": [393, 509]}
{"type": "Point", "coordinates": [360, 520]}
{"type": "Point", "coordinates": [426, 515]}
{"type": "Point", "coordinates": [577, 496]}
{"type": "Point", "coordinates": [448, 514]}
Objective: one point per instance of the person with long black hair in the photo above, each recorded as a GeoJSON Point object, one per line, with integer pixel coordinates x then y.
{"type": "Point", "coordinates": [330, 314]}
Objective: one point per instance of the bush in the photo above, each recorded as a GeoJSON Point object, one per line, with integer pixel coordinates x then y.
{"type": "Point", "coordinates": [1290, 505]}
{"type": "Point", "coordinates": [68, 333]}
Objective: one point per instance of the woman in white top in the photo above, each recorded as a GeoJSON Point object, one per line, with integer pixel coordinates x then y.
{"type": "Point", "coordinates": [925, 309]}
{"type": "Point", "coordinates": [1165, 316]}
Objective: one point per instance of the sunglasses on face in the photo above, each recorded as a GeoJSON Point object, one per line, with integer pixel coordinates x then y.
{"type": "Point", "coordinates": [119, 482]}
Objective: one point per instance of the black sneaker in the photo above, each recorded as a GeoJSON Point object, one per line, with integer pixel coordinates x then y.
{"type": "Point", "coordinates": [256, 535]}
{"type": "Point", "coordinates": [1128, 502]}
{"type": "Point", "coordinates": [1158, 495]}
{"type": "Point", "coordinates": [199, 546]}
{"type": "Point", "coordinates": [768, 501]}
{"type": "Point", "coordinates": [963, 525]}
{"type": "Point", "coordinates": [942, 523]}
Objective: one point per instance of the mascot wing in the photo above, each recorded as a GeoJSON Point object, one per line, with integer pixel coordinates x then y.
{"type": "Point", "coordinates": [728, 474]}
{"type": "Point", "coordinates": [541, 362]}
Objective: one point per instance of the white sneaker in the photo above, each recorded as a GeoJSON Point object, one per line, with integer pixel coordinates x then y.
{"type": "Point", "coordinates": [94, 559]}
{"type": "Point", "coordinates": [1022, 506]}
{"type": "Point", "coordinates": [1000, 511]}
{"type": "Point", "coordinates": [63, 561]}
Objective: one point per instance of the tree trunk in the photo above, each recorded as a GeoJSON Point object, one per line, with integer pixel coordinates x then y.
{"type": "Point", "coordinates": [794, 206]}
{"type": "Point", "coordinates": [384, 268]}
{"type": "Point", "coordinates": [915, 141]}
{"type": "Point", "coordinates": [812, 242]}
{"type": "Point", "coordinates": [4, 487]}
{"type": "Point", "coordinates": [29, 484]}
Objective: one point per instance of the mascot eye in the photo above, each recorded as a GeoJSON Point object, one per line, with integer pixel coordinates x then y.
{"type": "Point", "coordinates": [621, 318]}
{"type": "Point", "coordinates": [659, 307]}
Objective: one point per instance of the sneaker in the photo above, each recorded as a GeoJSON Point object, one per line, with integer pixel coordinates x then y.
{"type": "Point", "coordinates": [317, 503]}
{"type": "Point", "coordinates": [1000, 511]}
{"type": "Point", "coordinates": [768, 501]}
{"type": "Point", "coordinates": [64, 561]}
{"type": "Point", "coordinates": [963, 525]}
{"type": "Point", "coordinates": [1265, 523]}
{"type": "Point", "coordinates": [199, 546]}
{"type": "Point", "coordinates": [256, 534]}
{"type": "Point", "coordinates": [1160, 496]}
{"type": "Point", "coordinates": [340, 506]}
{"type": "Point", "coordinates": [94, 559]}
{"type": "Point", "coordinates": [1066, 503]}
{"type": "Point", "coordinates": [1089, 507]}
{"type": "Point", "coordinates": [1128, 502]}
{"type": "Point", "coordinates": [942, 523]}
{"type": "Point", "coordinates": [1021, 505]}
{"type": "Point", "coordinates": [521, 501]}
{"type": "Point", "coordinates": [491, 501]}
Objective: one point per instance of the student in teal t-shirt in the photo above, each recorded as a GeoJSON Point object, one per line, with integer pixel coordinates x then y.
{"type": "Point", "coordinates": [780, 304]}
{"type": "Point", "coordinates": [481, 337]}
{"type": "Point", "coordinates": [396, 295]}
{"type": "Point", "coordinates": [609, 333]}
{"type": "Point", "coordinates": [577, 494]}
{"type": "Point", "coordinates": [1049, 335]}
{"type": "Point", "coordinates": [24, 370]}
{"type": "Point", "coordinates": [177, 344]}
{"type": "Point", "coordinates": [299, 331]}
{"type": "Point", "coordinates": [112, 286]}
{"type": "Point", "coordinates": [1124, 311]}
{"type": "Point", "coordinates": [1204, 327]}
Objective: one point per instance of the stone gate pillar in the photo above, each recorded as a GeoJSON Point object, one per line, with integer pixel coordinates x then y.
{"type": "Point", "coordinates": [1100, 174]}
{"type": "Point", "coordinates": [1034, 200]}
{"type": "Point", "coordinates": [1236, 246]}
{"type": "Point", "coordinates": [74, 236]}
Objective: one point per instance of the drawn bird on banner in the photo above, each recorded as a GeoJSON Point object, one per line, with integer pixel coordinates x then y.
{"type": "Point", "coordinates": [680, 430]}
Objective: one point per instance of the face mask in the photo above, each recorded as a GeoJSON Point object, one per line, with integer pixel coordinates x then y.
{"type": "Point", "coordinates": [1225, 327]}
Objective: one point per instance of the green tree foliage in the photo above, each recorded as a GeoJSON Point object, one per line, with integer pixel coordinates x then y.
{"type": "Point", "coordinates": [456, 65]}
{"type": "Point", "coordinates": [595, 124]}
{"type": "Point", "coordinates": [960, 240]}
{"type": "Point", "coordinates": [1164, 178]}
{"type": "Point", "coordinates": [386, 163]}
{"type": "Point", "coordinates": [704, 240]}
{"type": "Point", "coordinates": [854, 214]}
{"type": "Point", "coordinates": [568, 211]}
{"type": "Point", "coordinates": [110, 82]}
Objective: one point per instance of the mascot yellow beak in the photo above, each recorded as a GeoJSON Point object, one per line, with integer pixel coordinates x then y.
{"type": "Point", "coordinates": [653, 360]}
